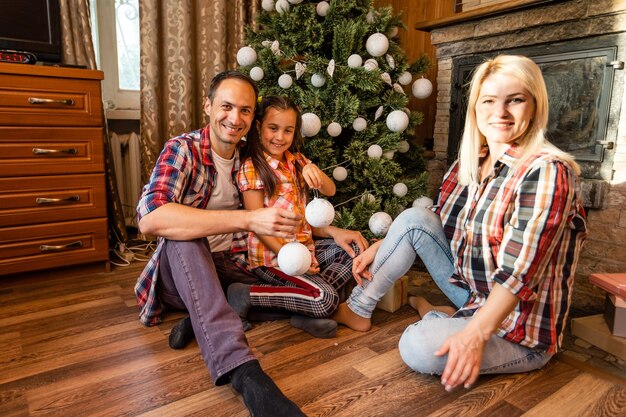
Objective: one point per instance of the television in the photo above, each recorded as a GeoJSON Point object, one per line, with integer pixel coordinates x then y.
{"type": "Point", "coordinates": [31, 26]}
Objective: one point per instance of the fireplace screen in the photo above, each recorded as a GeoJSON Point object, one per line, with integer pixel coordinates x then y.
{"type": "Point", "coordinates": [579, 86]}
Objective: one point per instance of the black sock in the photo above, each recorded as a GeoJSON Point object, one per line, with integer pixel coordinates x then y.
{"type": "Point", "coordinates": [260, 394]}
{"type": "Point", "coordinates": [320, 328]}
{"type": "Point", "coordinates": [181, 334]}
{"type": "Point", "coordinates": [238, 295]}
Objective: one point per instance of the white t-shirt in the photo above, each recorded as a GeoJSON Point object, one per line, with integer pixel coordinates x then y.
{"type": "Point", "coordinates": [223, 197]}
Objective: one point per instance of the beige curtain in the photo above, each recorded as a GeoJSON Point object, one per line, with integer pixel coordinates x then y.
{"type": "Point", "coordinates": [184, 43]}
{"type": "Point", "coordinates": [77, 49]}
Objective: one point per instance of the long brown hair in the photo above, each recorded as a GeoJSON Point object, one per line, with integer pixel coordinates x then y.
{"type": "Point", "coordinates": [254, 150]}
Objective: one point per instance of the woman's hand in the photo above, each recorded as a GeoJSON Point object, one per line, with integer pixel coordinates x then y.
{"type": "Point", "coordinates": [344, 238]}
{"type": "Point", "coordinates": [360, 264]}
{"type": "Point", "coordinates": [465, 353]}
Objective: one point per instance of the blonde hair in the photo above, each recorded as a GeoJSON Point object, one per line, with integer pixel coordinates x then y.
{"type": "Point", "coordinates": [532, 141]}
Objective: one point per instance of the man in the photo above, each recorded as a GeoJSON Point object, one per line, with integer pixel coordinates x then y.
{"type": "Point", "coordinates": [192, 195]}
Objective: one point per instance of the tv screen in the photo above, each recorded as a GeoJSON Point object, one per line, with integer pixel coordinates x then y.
{"type": "Point", "coordinates": [31, 26]}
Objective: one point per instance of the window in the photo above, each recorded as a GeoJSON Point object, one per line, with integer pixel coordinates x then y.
{"type": "Point", "coordinates": [117, 53]}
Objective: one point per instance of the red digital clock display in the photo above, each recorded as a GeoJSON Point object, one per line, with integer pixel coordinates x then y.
{"type": "Point", "coordinates": [17, 57]}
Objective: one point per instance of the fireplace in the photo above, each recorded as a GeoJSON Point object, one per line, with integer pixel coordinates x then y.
{"type": "Point", "coordinates": [580, 46]}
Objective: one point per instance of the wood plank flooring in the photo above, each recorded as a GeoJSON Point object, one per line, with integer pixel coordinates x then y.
{"type": "Point", "coordinates": [72, 346]}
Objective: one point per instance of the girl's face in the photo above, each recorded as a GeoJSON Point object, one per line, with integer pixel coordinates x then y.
{"type": "Point", "coordinates": [504, 110]}
{"type": "Point", "coordinates": [277, 130]}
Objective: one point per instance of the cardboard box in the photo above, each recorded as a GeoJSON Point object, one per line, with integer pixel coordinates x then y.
{"type": "Point", "coordinates": [615, 314]}
{"type": "Point", "coordinates": [396, 297]}
{"type": "Point", "coordinates": [594, 330]}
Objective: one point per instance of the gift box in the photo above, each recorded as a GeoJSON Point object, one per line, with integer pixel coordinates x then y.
{"type": "Point", "coordinates": [594, 330]}
{"type": "Point", "coordinates": [615, 301]}
{"type": "Point", "coordinates": [396, 297]}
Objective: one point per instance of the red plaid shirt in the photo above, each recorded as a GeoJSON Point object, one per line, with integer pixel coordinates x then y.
{"type": "Point", "coordinates": [184, 174]}
{"type": "Point", "coordinates": [289, 195]}
{"type": "Point", "coordinates": [523, 230]}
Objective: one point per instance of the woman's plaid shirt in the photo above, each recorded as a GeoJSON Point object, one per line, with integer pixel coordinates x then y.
{"type": "Point", "coordinates": [523, 230]}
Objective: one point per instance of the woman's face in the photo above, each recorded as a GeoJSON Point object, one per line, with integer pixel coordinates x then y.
{"type": "Point", "coordinates": [277, 131]}
{"type": "Point", "coordinates": [504, 110]}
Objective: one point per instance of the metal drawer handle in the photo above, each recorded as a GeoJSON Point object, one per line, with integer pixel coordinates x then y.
{"type": "Point", "coordinates": [39, 151]}
{"type": "Point", "coordinates": [46, 248]}
{"type": "Point", "coordinates": [44, 200]}
{"type": "Point", "coordinates": [64, 101]}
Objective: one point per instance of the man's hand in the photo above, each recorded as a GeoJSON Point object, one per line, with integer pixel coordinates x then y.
{"type": "Point", "coordinates": [275, 222]}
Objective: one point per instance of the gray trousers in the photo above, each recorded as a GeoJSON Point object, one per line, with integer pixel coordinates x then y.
{"type": "Point", "coordinates": [192, 278]}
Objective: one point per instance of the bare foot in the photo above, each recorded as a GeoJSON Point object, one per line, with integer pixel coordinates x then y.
{"type": "Point", "coordinates": [349, 318]}
{"type": "Point", "coordinates": [423, 306]}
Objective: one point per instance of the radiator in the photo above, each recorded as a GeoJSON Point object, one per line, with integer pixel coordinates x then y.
{"type": "Point", "coordinates": [127, 162]}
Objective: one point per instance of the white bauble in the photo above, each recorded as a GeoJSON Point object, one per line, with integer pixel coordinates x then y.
{"type": "Point", "coordinates": [311, 125]}
{"type": "Point", "coordinates": [268, 5]}
{"type": "Point", "coordinates": [377, 44]}
{"type": "Point", "coordinates": [294, 258]}
{"type": "Point", "coordinates": [355, 61]}
{"type": "Point", "coordinates": [397, 121]}
{"type": "Point", "coordinates": [379, 223]}
{"type": "Point", "coordinates": [393, 32]}
{"type": "Point", "coordinates": [246, 56]}
{"type": "Point", "coordinates": [400, 189]}
{"type": "Point", "coordinates": [370, 64]}
{"type": "Point", "coordinates": [404, 146]}
{"type": "Point", "coordinates": [422, 88]}
{"type": "Point", "coordinates": [423, 201]}
{"type": "Point", "coordinates": [359, 124]}
{"type": "Point", "coordinates": [340, 173]}
{"type": "Point", "coordinates": [389, 154]}
{"type": "Point", "coordinates": [375, 151]}
{"type": "Point", "coordinates": [334, 129]}
{"type": "Point", "coordinates": [405, 78]}
{"type": "Point", "coordinates": [282, 6]}
{"type": "Point", "coordinates": [295, 1]}
{"type": "Point", "coordinates": [318, 80]}
{"type": "Point", "coordinates": [322, 8]}
{"type": "Point", "coordinates": [285, 80]}
{"type": "Point", "coordinates": [319, 212]}
{"type": "Point", "coordinates": [256, 73]}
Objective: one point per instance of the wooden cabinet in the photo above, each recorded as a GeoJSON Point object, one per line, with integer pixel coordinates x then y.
{"type": "Point", "coordinates": [52, 180]}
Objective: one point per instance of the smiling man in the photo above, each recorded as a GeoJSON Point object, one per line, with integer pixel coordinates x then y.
{"type": "Point", "coordinates": [192, 205]}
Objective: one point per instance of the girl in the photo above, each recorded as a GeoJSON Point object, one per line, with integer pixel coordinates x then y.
{"type": "Point", "coordinates": [275, 174]}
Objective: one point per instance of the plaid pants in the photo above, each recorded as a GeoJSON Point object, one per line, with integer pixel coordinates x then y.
{"type": "Point", "coordinates": [312, 295]}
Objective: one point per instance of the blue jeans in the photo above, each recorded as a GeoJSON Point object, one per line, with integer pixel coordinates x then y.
{"type": "Point", "coordinates": [421, 340]}
{"type": "Point", "coordinates": [418, 232]}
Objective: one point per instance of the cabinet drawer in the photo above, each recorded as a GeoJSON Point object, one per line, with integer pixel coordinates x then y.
{"type": "Point", "coordinates": [30, 200]}
{"type": "Point", "coordinates": [44, 101]}
{"type": "Point", "coordinates": [38, 150]}
{"type": "Point", "coordinates": [28, 248]}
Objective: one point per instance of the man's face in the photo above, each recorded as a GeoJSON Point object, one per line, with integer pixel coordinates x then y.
{"type": "Point", "coordinates": [231, 113]}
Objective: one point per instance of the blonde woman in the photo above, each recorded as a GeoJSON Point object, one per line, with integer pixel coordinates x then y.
{"type": "Point", "coordinates": [502, 241]}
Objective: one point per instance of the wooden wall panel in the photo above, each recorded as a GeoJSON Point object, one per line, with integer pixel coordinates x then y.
{"type": "Point", "coordinates": [415, 43]}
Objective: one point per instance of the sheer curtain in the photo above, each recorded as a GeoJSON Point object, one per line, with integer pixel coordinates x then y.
{"type": "Point", "coordinates": [183, 44]}
{"type": "Point", "coordinates": [77, 49]}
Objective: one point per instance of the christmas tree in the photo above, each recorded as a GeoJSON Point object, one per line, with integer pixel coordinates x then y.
{"type": "Point", "coordinates": [339, 60]}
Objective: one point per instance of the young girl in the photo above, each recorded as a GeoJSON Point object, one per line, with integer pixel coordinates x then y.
{"type": "Point", "coordinates": [275, 174]}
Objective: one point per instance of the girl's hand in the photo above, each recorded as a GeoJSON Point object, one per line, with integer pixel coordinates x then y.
{"type": "Point", "coordinates": [313, 176]}
{"type": "Point", "coordinates": [360, 264]}
{"type": "Point", "coordinates": [314, 268]}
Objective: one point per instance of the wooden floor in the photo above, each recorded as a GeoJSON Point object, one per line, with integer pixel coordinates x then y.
{"type": "Point", "coordinates": [72, 346]}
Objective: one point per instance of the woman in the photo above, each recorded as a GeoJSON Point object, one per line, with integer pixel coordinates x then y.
{"type": "Point", "coordinates": [502, 242]}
